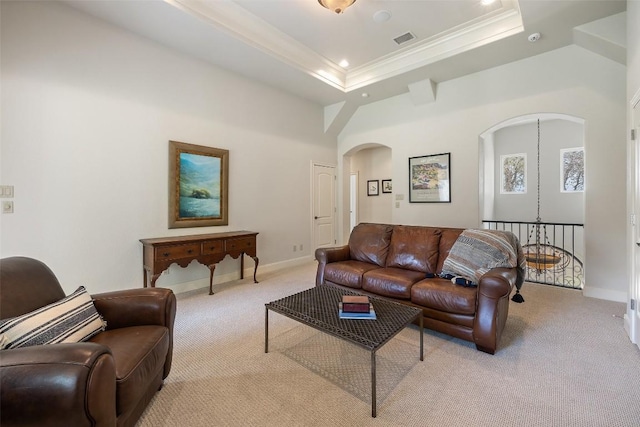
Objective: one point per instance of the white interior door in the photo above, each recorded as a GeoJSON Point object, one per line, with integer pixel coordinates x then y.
{"type": "Point", "coordinates": [324, 206]}
{"type": "Point", "coordinates": [633, 311]}
{"type": "Point", "coordinates": [353, 201]}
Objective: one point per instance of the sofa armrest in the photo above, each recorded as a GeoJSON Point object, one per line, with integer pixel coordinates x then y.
{"type": "Point", "coordinates": [326, 256]}
{"type": "Point", "coordinates": [498, 282]}
{"type": "Point", "coordinates": [494, 289]}
{"type": "Point", "coordinates": [58, 385]}
{"type": "Point", "coordinates": [137, 307]}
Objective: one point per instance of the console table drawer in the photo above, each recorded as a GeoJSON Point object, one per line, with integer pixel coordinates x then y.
{"type": "Point", "coordinates": [242, 244]}
{"type": "Point", "coordinates": [212, 247]}
{"type": "Point", "coordinates": [164, 253]}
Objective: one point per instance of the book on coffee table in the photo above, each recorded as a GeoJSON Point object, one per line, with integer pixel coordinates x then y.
{"type": "Point", "coordinates": [356, 304]}
{"type": "Point", "coordinates": [370, 315]}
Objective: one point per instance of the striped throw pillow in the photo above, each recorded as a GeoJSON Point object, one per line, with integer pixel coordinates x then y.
{"type": "Point", "coordinates": [72, 319]}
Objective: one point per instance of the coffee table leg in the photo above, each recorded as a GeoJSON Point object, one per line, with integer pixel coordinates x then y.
{"type": "Point", "coordinates": [266, 330]}
{"type": "Point", "coordinates": [373, 384]}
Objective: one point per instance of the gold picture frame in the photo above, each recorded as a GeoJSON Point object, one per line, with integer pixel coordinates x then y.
{"type": "Point", "coordinates": [198, 185]}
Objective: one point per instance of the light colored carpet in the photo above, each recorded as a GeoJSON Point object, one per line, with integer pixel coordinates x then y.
{"type": "Point", "coordinates": [564, 360]}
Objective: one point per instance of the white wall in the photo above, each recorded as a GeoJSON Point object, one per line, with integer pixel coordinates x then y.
{"type": "Point", "coordinates": [632, 323]}
{"type": "Point", "coordinates": [555, 206]}
{"type": "Point", "coordinates": [568, 81]}
{"type": "Point", "coordinates": [88, 110]}
{"type": "Point", "coordinates": [373, 164]}
{"type": "Point", "coordinates": [633, 47]}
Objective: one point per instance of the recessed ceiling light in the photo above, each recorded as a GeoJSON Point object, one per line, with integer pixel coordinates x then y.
{"type": "Point", "coordinates": [365, 95]}
{"type": "Point", "coordinates": [487, 2]}
{"type": "Point", "coordinates": [382, 16]}
{"type": "Point", "coordinates": [344, 63]}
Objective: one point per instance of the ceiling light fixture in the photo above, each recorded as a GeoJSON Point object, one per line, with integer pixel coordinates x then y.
{"type": "Point", "coordinates": [487, 2]}
{"type": "Point", "coordinates": [381, 16]}
{"type": "Point", "coordinates": [338, 6]}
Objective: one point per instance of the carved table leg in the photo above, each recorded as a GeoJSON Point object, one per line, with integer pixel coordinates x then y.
{"type": "Point", "coordinates": [255, 269]}
{"type": "Point", "coordinates": [152, 278]}
{"type": "Point", "coordinates": [212, 268]}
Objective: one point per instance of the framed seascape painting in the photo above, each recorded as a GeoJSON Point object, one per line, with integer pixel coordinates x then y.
{"type": "Point", "coordinates": [429, 179]}
{"type": "Point", "coordinates": [198, 185]}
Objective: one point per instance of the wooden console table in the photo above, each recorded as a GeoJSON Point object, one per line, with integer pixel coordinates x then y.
{"type": "Point", "coordinates": [208, 249]}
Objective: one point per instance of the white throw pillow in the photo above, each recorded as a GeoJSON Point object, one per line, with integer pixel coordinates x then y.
{"type": "Point", "coordinates": [72, 319]}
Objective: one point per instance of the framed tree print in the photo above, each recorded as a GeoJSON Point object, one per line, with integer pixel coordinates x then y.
{"type": "Point", "coordinates": [572, 170]}
{"type": "Point", "coordinates": [198, 185]}
{"type": "Point", "coordinates": [429, 179]}
{"type": "Point", "coordinates": [513, 176]}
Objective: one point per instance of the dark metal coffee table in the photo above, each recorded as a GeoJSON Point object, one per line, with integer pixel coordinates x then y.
{"type": "Point", "coordinates": [318, 307]}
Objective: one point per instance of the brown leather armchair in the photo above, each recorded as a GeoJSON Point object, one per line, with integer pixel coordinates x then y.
{"type": "Point", "coordinates": [106, 381]}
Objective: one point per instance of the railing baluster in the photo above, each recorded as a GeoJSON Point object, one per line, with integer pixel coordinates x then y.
{"type": "Point", "coordinates": [552, 262]}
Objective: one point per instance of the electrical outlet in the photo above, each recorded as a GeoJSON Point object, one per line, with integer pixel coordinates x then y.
{"type": "Point", "coordinates": [7, 206]}
{"type": "Point", "coordinates": [294, 248]}
{"type": "Point", "coordinates": [300, 247]}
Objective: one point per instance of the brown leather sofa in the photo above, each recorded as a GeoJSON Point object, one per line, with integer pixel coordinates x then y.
{"type": "Point", "coordinates": [106, 381]}
{"type": "Point", "coordinates": [403, 263]}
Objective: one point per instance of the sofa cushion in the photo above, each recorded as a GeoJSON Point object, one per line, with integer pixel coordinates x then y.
{"type": "Point", "coordinates": [370, 243]}
{"type": "Point", "coordinates": [391, 282]}
{"type": "Point", "coordinates": [347, 273]}
{"type": "Point", "coordinates": [72, 319]}
{"type": "Point", "coordinates": [139, 353]}
{"type": "Point", "coordinates": [442, 294]}
{"type": "Point", "coordinates": [448, 238]}
{"type": "Point", "coordinates": [414, 248]}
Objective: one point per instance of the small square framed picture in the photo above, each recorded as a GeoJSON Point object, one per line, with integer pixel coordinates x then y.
{"type": "Point", "coordinates": [386, 186]}
{"type": "Point", "coordinates": [373, 187]}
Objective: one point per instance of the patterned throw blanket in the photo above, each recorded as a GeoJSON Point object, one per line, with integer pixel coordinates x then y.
{"type": "Point", "coordinates": [477, 251]}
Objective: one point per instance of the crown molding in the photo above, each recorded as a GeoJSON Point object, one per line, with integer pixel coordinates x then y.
{"type": "Point", "coordinates": [458, 40]}
{"type": "Point", "coordinates": [239, 23]}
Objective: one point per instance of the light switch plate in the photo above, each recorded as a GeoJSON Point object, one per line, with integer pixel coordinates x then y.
{"type": "Point", "coordinates": [6, 191]}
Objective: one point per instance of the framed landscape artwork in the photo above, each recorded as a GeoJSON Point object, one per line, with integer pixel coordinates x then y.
{"type": "Point", "coordinates": [198, 185]}
{"type": "Point", "coordinates": [429, 179]}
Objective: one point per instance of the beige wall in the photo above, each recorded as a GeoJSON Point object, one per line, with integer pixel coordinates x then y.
{"type": "Point", "coordinates": [373, 164]}
{"type": "Point", "coordinates": [87, 113]}
{"type": "Point", "coordinates": [570, 81]}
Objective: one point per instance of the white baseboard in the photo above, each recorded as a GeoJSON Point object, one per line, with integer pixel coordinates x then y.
{"type": "Point", "coordinates": [179, 288]}
{"type": "Point", "coordinates": [606, 294]}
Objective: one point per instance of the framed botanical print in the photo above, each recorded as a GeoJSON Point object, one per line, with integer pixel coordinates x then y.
{"type": "Point", "coordinates": [386, 186]}
{"type": "Point", "coordinates": [372, 187]}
